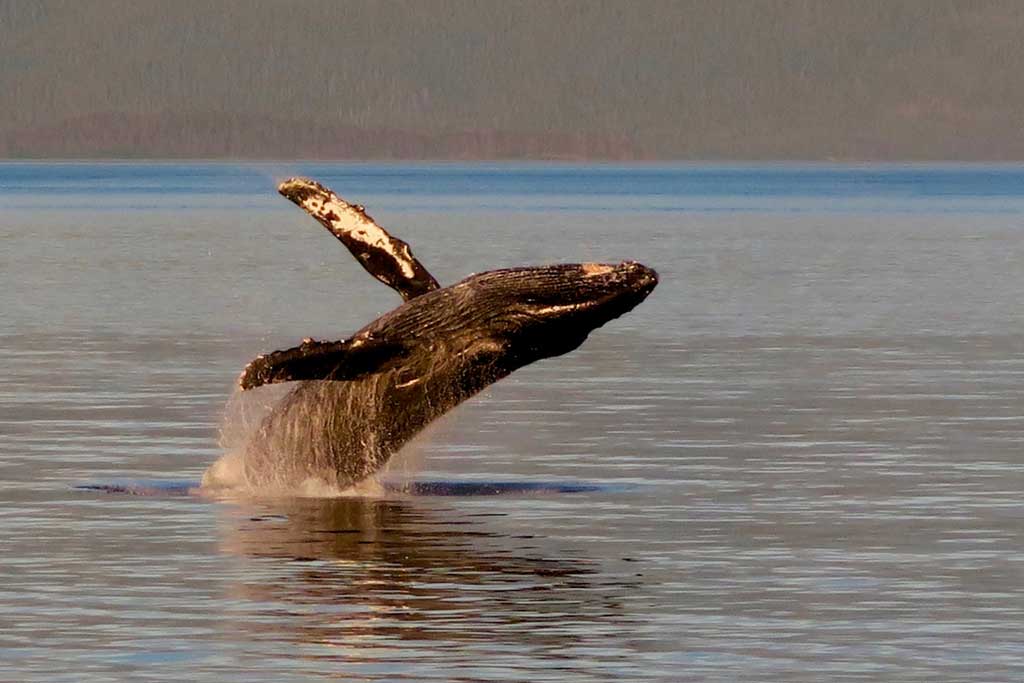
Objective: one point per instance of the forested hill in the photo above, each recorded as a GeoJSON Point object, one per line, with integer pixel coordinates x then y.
{"type": "Point", "coordinates": [701, 79]}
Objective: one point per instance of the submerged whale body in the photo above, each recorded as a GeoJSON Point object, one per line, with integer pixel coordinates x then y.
{"type": "Point", "coordinates": [357, 401]}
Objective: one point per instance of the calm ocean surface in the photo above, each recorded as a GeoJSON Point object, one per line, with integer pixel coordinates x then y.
{"type": "Point", "coordinates": [801, 459]}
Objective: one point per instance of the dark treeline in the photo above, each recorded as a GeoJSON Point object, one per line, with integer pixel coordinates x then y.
{"type": "Point", "coordinates": [755, 79]}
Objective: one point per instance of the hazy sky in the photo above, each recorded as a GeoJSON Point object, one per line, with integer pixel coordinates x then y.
{"type": "Point", "coordinates": [856, 79]}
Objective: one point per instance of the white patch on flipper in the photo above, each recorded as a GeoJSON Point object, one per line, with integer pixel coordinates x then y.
{"type": "Point", "coordinates": [351, 220]}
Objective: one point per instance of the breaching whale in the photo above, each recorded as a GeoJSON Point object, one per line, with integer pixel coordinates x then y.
{"type": "Point", "coordinates": [358, 400]}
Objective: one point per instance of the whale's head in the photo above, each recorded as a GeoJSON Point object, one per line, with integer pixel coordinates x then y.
{"type": "Point", "coordinates": [523, 314]}
{"type": "Point", "coordinates": [550, 310]}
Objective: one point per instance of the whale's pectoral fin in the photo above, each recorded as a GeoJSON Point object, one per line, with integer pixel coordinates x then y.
{"type": "Point", "coordinates": [331, 360]}
{"type": "Point", "coordinates": [384, 256]}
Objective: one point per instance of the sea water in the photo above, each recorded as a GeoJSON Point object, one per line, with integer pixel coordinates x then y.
{"type": "Point", "coordinates": [799, 460]}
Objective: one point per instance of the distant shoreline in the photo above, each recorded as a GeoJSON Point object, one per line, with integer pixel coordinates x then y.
{"type": "Point", "coordinates": [191, 136]}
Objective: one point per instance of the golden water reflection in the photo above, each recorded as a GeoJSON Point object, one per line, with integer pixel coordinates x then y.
{"type": "Point", "coordinates": [357, 576]}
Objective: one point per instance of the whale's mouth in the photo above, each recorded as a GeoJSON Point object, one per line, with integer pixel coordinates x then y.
{"type": "Point", "coordinates": [585, 287]}
{"type": "Point", "coordinates": [608, 291]}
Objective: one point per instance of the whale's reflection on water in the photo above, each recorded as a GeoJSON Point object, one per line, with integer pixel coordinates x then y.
{"type": "Point", "coordinates": [352, 577]}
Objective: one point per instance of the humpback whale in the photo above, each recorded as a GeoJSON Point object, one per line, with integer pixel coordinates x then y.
{"type": "Point", "coordinates": [356, 401]}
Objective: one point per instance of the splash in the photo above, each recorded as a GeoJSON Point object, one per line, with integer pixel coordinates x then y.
{"type": "Point", "coordinates": [244, 412]}
{"type": "Point", "coordinates": [282, 441]}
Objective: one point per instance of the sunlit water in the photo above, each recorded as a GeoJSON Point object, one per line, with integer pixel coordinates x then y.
{"type": "Point", "coordinates": [799, 459]}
